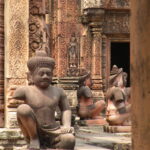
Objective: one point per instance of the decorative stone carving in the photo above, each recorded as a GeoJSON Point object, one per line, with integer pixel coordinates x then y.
{"type": "Point", "coordinates": [73, 56]}
{"type": "Point", "coordinates": [38, 29]}
{"type": "Point", "coordinates": [2, 63]}
{"type": "Point", "coordinates": [91, 4]}
{"type": "Point", "coordinates": [16, 44]}
{"type": "Point", "coordinates": [116, 3]}
{"type": "Point", "coordinates": [36, 118]}
{"type": "Point", "coordinates": [116, 23]}
{"type": "Point", "coordinates": [12, 120]}
{"type": "Point", "coordinates": [16, 47]}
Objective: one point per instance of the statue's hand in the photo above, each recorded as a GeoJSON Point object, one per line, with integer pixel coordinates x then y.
{"type": "Point", "coordinates": [67, 129]}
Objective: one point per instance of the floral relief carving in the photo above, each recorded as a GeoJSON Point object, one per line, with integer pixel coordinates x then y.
{"type": "Point", "coordinates": [38, 30]}
{"type": "Point", "coordinates": [17, 42]}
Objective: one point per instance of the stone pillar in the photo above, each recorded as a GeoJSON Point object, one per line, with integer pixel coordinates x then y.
{"type": "Point", "coordinates": [96, 58]}
{"type": "Point", "coordinates": [16, 50]}
{"type": "Point", "coordinates": [1, 63]}
{"type": "Point", "coordinates": [104, 71]}
{"type": "Point", "coordinates": [96, 67]}
{"type": "Point", "coordinates": [140, 73]}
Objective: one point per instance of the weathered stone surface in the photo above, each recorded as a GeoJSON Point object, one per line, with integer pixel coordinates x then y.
{"type": "Point", "coordinates": [39, 33]}
{"type": "Point", "coordinates": [2, 63]}
{"type": "Point", "coordinates": [16, 45]}
{"type": "Point", "coordinates": [92, 137]}
{"type": "Point", "coordinates": [65, 24]}
{"type": "Point", "coordinates": [11, 139]}
{"type": "Point", "coordinates": [140, 73]}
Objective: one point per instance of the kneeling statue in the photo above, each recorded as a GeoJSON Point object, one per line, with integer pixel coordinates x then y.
{"type": "Point", "coordinates": [117, 97]}
{"type": "Point", "coordinates": [87, 109]}
{"type": "Point", "coordinates": [36, 117]}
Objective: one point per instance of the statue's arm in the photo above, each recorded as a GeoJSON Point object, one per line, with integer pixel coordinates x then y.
{"type": "Point", "coordinates": [19, 93]}
{"type": "Point", "coordinates": [121, 107]}
{"type": "Point", "coordinates": [65, 109]}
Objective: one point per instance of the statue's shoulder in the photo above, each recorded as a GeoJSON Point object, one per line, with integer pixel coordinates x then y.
{"type": "Point", "coordinates": [84, 88]}
{"type": "Point", "coordinates": [20, 92]}
{"type": "Point", "coordinates": [21, 88]}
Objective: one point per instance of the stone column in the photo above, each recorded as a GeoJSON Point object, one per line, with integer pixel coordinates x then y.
{"type": "Point", "coordinates": [140, 73]}
{"type": "Point", "coordinates": [104, 71]}
{"type": "Point", "coordinates": [16, 50]}
{"type": "Point", "coordinates": [96, 67]}
{"type": "Point", "coordinates": [96, 58]}
{"type": "Point", "coordinates": [1, 63]}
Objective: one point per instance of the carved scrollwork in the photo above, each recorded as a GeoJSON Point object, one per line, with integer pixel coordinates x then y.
{"type": "Point", "coordinates": [37, 26]}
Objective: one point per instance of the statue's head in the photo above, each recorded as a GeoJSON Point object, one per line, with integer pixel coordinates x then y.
{"type": "Point", "coordinates": [85, 80]}
{"type": "Point", "coordinates": [41, 69]}
{"type": "Point", "coordinates": [117, 77]}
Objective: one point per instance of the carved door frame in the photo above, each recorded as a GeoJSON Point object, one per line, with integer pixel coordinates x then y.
{"type": "Point", "coordinates": [108, 52]}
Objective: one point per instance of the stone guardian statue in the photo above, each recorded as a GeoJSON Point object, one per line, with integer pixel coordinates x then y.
{"type": "Point", "coordinates": [36, 117]}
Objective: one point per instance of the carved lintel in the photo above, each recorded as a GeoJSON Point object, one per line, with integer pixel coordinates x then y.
{"type": "Point", "coordinates": [116, 23]}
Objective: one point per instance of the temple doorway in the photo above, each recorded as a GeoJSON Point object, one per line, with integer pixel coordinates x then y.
{"type": "Point", "coordinates": [120, 56]}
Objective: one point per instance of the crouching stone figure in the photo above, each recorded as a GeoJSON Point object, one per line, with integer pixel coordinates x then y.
{"type": "Point", "coordinates": [117, 97]}
{"type": "Point", "coordinates": [36, 117]}
{"type": "Point", "coordinates": [87, 109]}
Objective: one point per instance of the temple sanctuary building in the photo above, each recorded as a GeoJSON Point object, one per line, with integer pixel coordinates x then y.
{"type": "Point", "coordinates": [81, 35]}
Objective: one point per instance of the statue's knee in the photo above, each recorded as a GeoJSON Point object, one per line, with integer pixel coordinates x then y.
{"type": "Point", "coordinates": [24, 110]}
{"type": "Point", "coordinates": [69, 138]}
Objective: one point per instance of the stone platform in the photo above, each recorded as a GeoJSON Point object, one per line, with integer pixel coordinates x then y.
{"type": "Point", "coordinates": [87, 138]}
{"type": "Point", "coordinates": [93, 138]}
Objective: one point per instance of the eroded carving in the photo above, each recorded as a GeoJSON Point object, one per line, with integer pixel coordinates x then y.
{"type": "Point", "coordinates": [118, 109]}
{"type": "Point", "coordinates": [17, 42]}
{"type": "Point", "coordinates": [73, 57]}
{"type": "Point", "coordinates": [116, 3]}
{"type": "Point", "coordinates": [116, 23]}
{"type": "Point", "coordinates": [38, 30]}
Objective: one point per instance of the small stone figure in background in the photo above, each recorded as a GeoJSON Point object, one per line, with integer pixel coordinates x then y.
{"type": "Point", "coordinates": [117, 97]}
{"type": "Point", "coordinates": [36, 117]}
{"type": "Point", "coordinates": [87, 109]}
{"type": "Point", "coordinates": [73, 52]}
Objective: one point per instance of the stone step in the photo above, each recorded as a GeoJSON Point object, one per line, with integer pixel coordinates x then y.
{"type": "Point", "coordinates": [94, 136]}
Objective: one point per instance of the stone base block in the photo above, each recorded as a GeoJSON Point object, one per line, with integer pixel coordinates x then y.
{"type": "Point", "coordinates": [117, 129]}
{"type": "Point", "coordinates": [12, 139]}
{"type": "Point", "coordinates": [93, 122]}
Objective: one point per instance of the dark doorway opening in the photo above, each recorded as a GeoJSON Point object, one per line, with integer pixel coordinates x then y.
{"type": "Point", "coordinates": [120, 56]}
